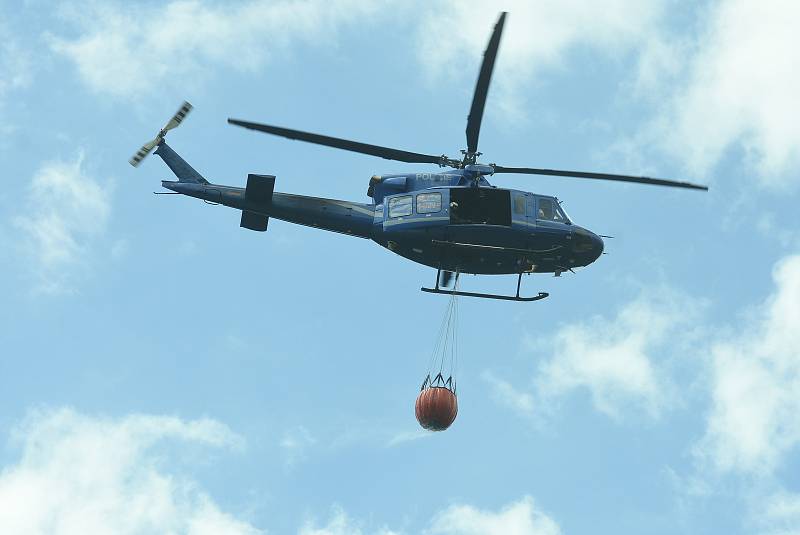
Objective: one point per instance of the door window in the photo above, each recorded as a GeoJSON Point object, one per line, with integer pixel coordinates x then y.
{"type": "Point", "coordinates": [519, 204]}
{"type": "Point", "coordinates": [429, 203]}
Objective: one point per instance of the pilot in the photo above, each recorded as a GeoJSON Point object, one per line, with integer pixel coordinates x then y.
{"type": "Point", "coordinates": [546, 210]}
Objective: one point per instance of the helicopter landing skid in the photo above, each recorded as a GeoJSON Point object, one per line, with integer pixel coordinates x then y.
{"type": "Point", "coordinates": [516, 297]}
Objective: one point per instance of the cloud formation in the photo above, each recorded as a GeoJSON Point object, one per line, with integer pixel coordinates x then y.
{"type": "Point", "coordinates": [739, 90]}
{"type": "Point", "coordinates": [613, 358]}
{"type": "Point", "coordinates": [732, 85]}
{"type": "Point", "coordinates": [507, 394]}
{"type": "Point", "coordinates": [16, 72]}
{"type": "Point", "coordinates": [14, 65]}
{"type": "Point", "coordinates": [83, 474]}
{"type": "Point", "coordinates": [340, 524]}
{"type": "Point", "coordinates": [779, 514]}
{"type": "Point", "coordinates": [537, 36]}
{"type": "Point", "coordinates": [754, 421]}
{"type": "Point", "coordinates": [121, 51]}
{"type": "Point", "coordinates": [65, 211]}
{"type": "Point", "coordinates": [295, 443]}
{"type": "Point", "coordinates": [518, 518]}
{"type": "Point", "coordinates": [753, 370]}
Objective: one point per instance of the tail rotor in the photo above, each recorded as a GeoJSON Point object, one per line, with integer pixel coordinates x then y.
{"type": "Point", "coordinates": [176, 120]}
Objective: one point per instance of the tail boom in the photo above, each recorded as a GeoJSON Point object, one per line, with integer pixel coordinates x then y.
{"type": "Point", "coordinates": [258, 203]}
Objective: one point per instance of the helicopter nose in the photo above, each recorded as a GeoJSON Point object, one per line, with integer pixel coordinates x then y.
{"type": "Point", "coordinates": [588, 245]}
{"type": "Point", "coordinates": [599, 245]}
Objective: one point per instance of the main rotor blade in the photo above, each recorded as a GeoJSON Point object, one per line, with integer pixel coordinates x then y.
{"type": "Point", "coordinates": [482, 87]}
{"type": "Point", "coordinates": [600, 176]}
{"type": "Point", "coordinates": [338, 143]}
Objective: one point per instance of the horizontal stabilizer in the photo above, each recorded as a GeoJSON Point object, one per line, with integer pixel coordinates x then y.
{"type": "Point", "coordinates": [257, 200]}
{"type": "Point", "coordinates": [254, 221]}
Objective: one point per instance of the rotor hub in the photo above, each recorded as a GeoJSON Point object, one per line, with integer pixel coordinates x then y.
{"type": "Point", "coordinates": [470, 158]}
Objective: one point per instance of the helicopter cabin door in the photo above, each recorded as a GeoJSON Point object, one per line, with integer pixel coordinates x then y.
{"type": "Point", "coordinates": [519, 213]}
{"type": "Point", "coordinates": [521, 220]}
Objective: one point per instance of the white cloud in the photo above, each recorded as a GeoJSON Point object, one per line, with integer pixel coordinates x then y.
{"type": "Point", "coordinates": [779, 514]}
{"type": "Point", "coordinates": [408, 436]}
{"type": "Point", "coordinates": [510, 396]}
{"type": "Point", "coordinates": [15, 72]}
{"type": "Point", "coordinates": [538, 35]}
{"type": "Point", "coordinates": [755, 384]}
{"type": "Point", "coordinates": [731, 84]}
{"type": "Point", "coordinates": [753, 370]}
{"type": "Point", "coordinates": [295, 443]}
{"type": "Point", "coordinates": [519, 518]}
{"type": "Point", "coordinates": [339, 524]}
{"type": "Point", "coordinates": [65, 211]}
{"type": "Point", "coordinates": [613, 358]}
{"type": "Point", "coordinates": [128, 52]}
{"type": "Point", "coordinates": [15, 61]}
{"type": "Point", "coordinates": [87, 475]}
{"type": "Point", "coordinates": [739, 90]}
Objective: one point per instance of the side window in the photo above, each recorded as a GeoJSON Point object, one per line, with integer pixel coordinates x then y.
{"type": "Point", "coordinates": [429, 203]}
{"type": "Point", "coordinates": [400, 206]}
{"type": "Point", "coordinates": [519, 204]}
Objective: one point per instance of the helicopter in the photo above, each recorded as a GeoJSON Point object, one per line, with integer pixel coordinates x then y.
{"type": "Point", "coordinates": [451, 220]}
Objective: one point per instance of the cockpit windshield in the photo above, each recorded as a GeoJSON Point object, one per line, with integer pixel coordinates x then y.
{"type": "Point", "coordinates": [567, 218]}
{"type": "Point", "coordinates": [550, 210]}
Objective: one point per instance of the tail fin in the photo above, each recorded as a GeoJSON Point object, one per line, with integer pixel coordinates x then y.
{"type": "Point", "coordinates": [179, 166]}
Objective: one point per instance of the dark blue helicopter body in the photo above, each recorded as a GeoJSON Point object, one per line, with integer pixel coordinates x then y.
{"type": "Point", "coordinates": [454, 221]}
{"type": "Point", "coordinates": [455, 226]}
{"type": "Point", "coordinates": [431, 218]}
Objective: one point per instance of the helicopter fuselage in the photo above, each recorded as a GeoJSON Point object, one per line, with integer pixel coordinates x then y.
{"type": "Point", "coordinates": [445, 220]}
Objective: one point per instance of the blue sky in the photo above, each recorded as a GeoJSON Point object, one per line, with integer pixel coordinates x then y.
{"type": "Point", "coordinates": [163, 370]}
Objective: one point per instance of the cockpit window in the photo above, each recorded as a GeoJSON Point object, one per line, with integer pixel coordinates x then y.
{"type": "Point", "coordinates": [549, 210]}
{"type": "Point", "coordinates": [400, 206]}
{"type": "Point", "coordinates": [567, 218]}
